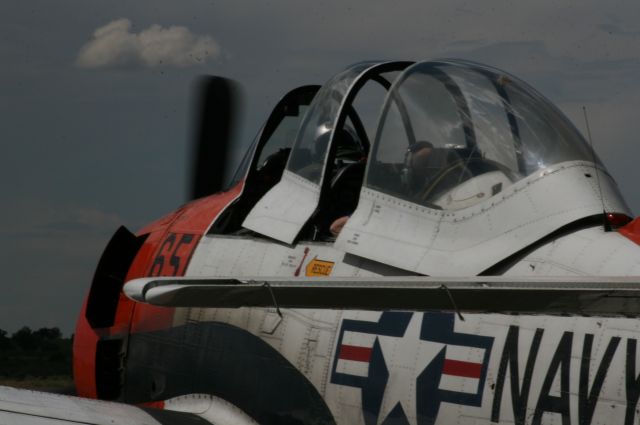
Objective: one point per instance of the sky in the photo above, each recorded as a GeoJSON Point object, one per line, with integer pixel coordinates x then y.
{"type": "Point", "coordinates": [95, 104]}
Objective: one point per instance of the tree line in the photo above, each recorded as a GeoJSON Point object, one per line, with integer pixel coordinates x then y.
{"type": "Point", "coordinates": [38, 353]}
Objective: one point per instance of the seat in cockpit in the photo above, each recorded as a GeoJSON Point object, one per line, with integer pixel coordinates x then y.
{"type": "Point", "coordinates": [440, 170]}
{"type": "Point", "coordinates": [465, 177]}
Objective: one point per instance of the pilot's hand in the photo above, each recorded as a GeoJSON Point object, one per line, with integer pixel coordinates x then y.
{"type": "Point", "coordinates": [337, 225]}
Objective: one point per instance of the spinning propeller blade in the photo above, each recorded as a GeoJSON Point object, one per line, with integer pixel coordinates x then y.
{"type": "Point", "coordinates": [216, 111]}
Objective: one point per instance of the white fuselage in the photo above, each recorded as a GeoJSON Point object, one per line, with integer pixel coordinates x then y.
{"type": "Point", "coordinates": [435, 367]}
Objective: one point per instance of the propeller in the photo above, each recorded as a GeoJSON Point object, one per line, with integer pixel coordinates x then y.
{"type": "Point", "coordinates": [216, 109]}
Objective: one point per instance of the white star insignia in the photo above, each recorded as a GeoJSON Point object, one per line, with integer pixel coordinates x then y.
{"type": "Point", "coordinates": [406, 357]}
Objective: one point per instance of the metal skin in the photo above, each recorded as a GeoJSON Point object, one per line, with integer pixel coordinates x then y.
{"type": "Point", "coordinates": [558, 362]}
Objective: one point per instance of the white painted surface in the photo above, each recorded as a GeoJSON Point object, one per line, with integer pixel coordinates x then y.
{"type": "Point", "coordinates": [588, 252]}
{"type": "Point", "coordinates": [468, 241]}
{"type": "Point", "coordinates": [23, 407]}
{"type": "Point", "coordinates": [282, 211]}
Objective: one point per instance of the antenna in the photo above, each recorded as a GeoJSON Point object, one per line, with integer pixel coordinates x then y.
{"type": "Point", "coordinates": [607, 226]}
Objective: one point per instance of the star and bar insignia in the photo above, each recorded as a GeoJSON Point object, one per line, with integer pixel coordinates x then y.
{"type": "Point", "coordinates": [406, 364]}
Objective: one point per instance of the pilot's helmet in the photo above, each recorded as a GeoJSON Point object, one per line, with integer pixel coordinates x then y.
{"type": "Point", "coordinates": [347, 143]}
{"type": "Point", "coordinates": [349, 147]}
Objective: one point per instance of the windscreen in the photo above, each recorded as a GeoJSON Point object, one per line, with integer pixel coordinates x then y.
{"type": "Point", "coordinates": [312, 143]}
{"type": "Point", "coordinates": [453, 134]}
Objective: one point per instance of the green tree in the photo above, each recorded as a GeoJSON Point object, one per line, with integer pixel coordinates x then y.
{"type": "Point", "coordinates": [25, 339]}
{"type": "Point", "coordinates": [5, 343]}
{"type": "Point", "coordinates": [48, 333]}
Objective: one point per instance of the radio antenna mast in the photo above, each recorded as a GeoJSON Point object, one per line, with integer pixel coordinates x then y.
{"type": "Point", "coordinates": [607, 226]}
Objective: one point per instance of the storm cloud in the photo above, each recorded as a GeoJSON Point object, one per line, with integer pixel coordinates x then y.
{"type": "Point", "coordinates": [115, 45]}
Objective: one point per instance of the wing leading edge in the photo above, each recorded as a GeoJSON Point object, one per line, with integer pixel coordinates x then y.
{"type": "Point", "coordinates": [587, 295]}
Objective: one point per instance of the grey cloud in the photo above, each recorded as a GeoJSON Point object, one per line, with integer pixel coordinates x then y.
{"type": "Point", "coordinates": [114, 45]}
{"type": "Point", "coordinates": [614, 28]}
{"type": "Point", "coordinates": [37, 219]}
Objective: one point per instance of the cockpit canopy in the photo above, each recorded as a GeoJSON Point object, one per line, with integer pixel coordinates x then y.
{"type": "Point", "coordinates": [454, 133]}
{"type": "Point", "coordinates": [443, 167]}
{"type": "Point", "coordinates": [319, 125]}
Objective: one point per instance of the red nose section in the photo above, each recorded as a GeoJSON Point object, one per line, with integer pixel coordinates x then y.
{"type": "Point", "coordinates": [85, 341]}
{"type": "Point", "coordinates": [108, 316]}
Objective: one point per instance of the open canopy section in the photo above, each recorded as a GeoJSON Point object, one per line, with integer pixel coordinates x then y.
{"type": "Point", "coordinates": [332, 142]}
{"type": "Point", "coordinates": [454, 133]}
{"type": "Point", "coordinates": [317, 130]}
{"type": "Point", "coordinates": [264, 162]}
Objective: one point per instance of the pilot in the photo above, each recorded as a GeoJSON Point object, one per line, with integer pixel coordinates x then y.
{"type": "Point", "coordinates": [415, 176]}
{"type": "Point", "coordinates": [417, 170]}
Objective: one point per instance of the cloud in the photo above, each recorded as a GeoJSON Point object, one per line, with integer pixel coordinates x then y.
{"type": "Point", "coordinates": [31, 218]}
{"type": "Point", "coordinates": [114, 45]}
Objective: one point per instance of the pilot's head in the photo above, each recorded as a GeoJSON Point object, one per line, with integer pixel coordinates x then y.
{"type": "Point", "coordinates": [348, 145]}
{"type": "Point", "coordinates": [419, 154]}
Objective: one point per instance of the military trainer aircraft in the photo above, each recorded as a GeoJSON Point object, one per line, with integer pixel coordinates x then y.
{"type": "Point", "coordinates": [410, 243]}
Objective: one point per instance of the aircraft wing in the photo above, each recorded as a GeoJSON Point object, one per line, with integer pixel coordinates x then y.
{"type": "Point", "coordinates": [579, 295]}
{"type": "Point", "coordinates": [23, 407]}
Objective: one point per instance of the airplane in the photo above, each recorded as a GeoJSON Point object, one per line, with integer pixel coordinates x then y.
{"type": "Point", "coordinates": [486, 271]}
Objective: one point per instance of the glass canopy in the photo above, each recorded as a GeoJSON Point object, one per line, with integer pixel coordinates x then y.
{"type": "Point", "coordinates": [313, 141]}
{"type": "Point", "coordinates": [454, 133]}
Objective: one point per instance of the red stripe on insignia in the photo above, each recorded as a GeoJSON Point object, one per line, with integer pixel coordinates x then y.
{"type": "Point", "coordinates": [464, 369]}
{"type": "Point", "coordinates": [353, 352]}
